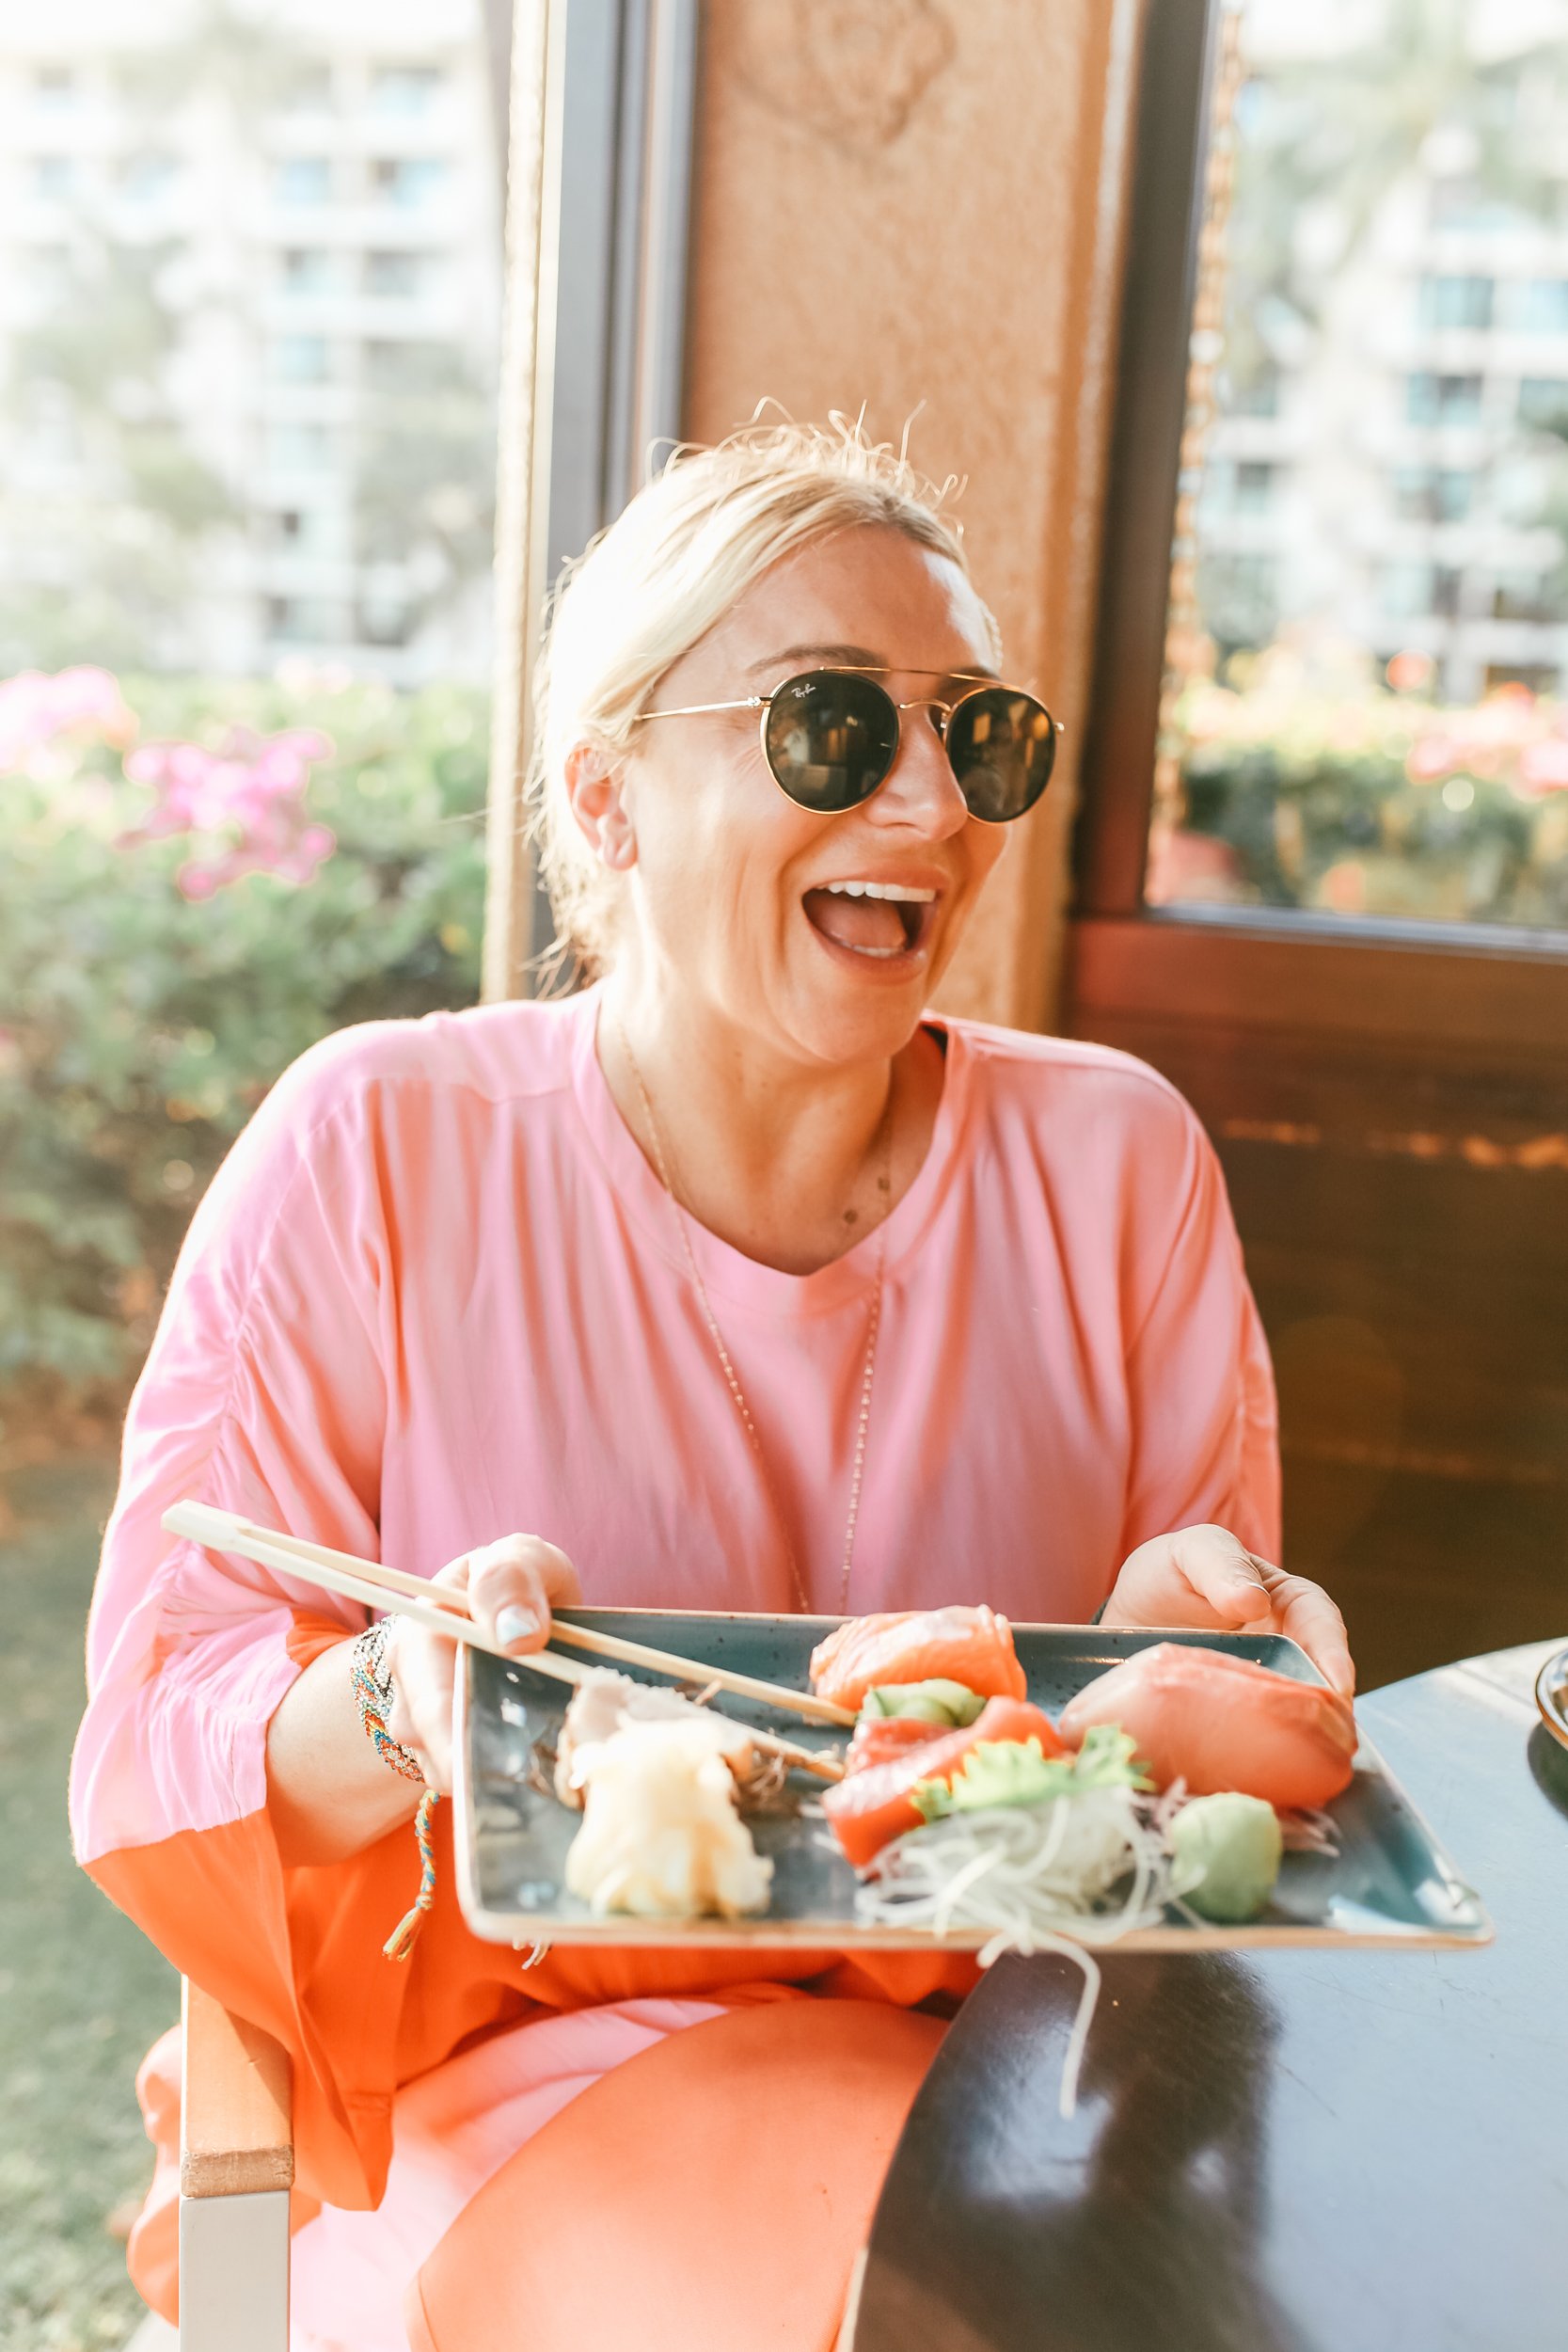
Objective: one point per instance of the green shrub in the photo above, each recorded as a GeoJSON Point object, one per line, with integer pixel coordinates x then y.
{"type": "Point", "coordinates": [1333, 794]}
{"type": "Point", "coordinates": [150, 991]}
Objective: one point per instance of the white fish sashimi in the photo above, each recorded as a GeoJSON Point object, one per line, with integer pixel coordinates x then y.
{"type": "Point", "coordinates": [605, 1701]}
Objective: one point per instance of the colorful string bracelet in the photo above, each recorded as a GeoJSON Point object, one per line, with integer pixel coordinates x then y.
{"type": "Point", "coordinates": [372, 1695]}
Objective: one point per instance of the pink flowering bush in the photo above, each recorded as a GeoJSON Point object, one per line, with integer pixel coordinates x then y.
{"type": "Point", "coordinates": [198, 880]}
{"type": "Point", "coordinates": [249, 787]}
{"type": "Point", "coordinates": [41, 713]}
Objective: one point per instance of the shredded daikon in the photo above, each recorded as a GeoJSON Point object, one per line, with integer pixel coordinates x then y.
{"type": "Point", "coordinates": [1025, 1871]}
{"type": "Point", "coordinates": [1041, 1878]}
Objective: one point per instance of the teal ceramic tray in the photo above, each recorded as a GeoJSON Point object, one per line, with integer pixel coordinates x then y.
{"type": "Point", "coordinates": [1389, 1886]}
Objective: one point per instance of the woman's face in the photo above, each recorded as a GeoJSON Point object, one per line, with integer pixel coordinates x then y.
{"type": "Point", "coordinates": [737, 895]}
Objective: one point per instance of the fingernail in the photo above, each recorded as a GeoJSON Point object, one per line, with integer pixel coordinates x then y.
{"type": "Point", "coordinates": [516, 1625]}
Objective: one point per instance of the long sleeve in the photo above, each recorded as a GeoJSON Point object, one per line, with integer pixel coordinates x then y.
{"type": "Point", "coordinates": [264, 1394]}
{"type": "Point", "coordinates": [1199, 1382]}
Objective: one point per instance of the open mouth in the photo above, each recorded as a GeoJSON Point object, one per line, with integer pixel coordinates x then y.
{"type": "Point", "coordinates": [882, 921]}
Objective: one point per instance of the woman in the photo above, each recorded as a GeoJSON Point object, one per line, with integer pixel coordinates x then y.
{"type": "Point", "coordinates": [737, 1281]}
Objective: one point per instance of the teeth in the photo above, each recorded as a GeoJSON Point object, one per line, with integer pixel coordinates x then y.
{"type": "Point", "coordinates": [879, 890]}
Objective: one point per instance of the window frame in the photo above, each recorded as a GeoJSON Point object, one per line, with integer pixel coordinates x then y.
{"type": "Point", "coordinates": [1179, 53]}
{"type": "Point", "coordinates": [597, 237]}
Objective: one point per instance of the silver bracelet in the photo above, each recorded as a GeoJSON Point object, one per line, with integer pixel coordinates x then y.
{"type": "Point", "coordinates": [372, 1696]}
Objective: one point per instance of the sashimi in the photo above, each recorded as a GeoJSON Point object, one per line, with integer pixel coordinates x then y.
{"type": "Point", "coordinates": [1222, 1723]}
{"type": "Point", "coordinates": [880, 1739]}
{"type": "Point", "coordinates": [868, 1809]}
{"type": "Point", "coordinates": [974, 1647]}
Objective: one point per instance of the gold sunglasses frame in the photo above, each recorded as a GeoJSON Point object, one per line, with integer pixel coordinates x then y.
{"type": "Point", "coordinates": [764, 703]}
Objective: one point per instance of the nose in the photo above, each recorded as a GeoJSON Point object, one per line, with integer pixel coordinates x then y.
{"type": "Point", "coordinates": [919, 789]}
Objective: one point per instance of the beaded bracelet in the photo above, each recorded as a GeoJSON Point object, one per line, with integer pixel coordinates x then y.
{"type": "Point", "coordinates": [372, 1694]}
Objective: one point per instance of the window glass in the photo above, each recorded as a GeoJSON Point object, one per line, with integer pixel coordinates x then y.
{"type": "Point", "coordinates": [1456, 301]}
{"type": "Point", "coordinates": [304, 621]}
{"type": "Point", "coordinates": [394, 274]}
{"type": "Point", "coordinates": [308, 270]}
{"type": "Point", "coordinates": [409, 180]}
{"type": "Point", "coordinates": [1539, 305]}
{"type": "Point", "coordinates": [146, 174]}
{"type": "Point", "coordinates": [299, 359]}
{"type": "Point", "coordinates": [404, 89]}
{"type": "Point", "coordinates": [1433, 399]}
{"type": "Point", "coordinates": [294, 448]}
{"type": "Point", "coordinates": [54, 177]}
{"type": "Point", "coordinates": [1544, 403]}
{"type": "Point", "coordinates": [306, 87]}
{"type": "Point", "coordinates": [56, 86]}
{"type": "Point", "coordinates": [1433, 494]}
{"type": "Point", "coordinates": [1366, 708]}
{"type": "Point", "coordinates": [302, 180]}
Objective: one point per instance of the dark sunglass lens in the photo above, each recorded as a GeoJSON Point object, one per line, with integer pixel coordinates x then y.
{"type": "Point", "coordinates": [1001, 745]}
{"type": "Point", "coordinates": [831, 740]}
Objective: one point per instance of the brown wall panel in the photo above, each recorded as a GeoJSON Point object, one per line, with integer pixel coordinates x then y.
{"type": "Point", "coordinates": [1327, 982]}
{"type": "Point", "coordinates": [1393, 1126]}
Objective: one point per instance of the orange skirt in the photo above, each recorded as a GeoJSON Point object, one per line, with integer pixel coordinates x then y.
{"type": "Point", "coordinates": [711, 2193]}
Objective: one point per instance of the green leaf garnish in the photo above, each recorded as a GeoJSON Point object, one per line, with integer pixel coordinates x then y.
{"type": "Point", "coordinates": [1018, 1772]}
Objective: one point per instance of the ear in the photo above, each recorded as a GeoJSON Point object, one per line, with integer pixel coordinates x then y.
{"type": "Point", "coordinates": [595, 790]}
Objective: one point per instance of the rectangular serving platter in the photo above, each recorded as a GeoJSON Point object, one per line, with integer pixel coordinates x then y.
{"type": "Point", "coordinates": [1391, 1886]}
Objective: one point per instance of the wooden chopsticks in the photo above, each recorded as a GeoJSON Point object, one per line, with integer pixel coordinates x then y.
{"type": "Point", "coordinates": [804, 1702]}
{"type": "Point", "coordinates": [442, 1610]}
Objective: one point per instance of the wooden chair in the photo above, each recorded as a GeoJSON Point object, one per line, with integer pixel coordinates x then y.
{"type": "Point", "coordinates": [236, 2168]}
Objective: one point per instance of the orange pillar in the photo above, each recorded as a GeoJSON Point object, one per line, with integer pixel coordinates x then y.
{"type": "Point", "coordinates": [920, 208]}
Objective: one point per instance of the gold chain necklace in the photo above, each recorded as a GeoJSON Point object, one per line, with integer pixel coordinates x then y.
{"type": "Point", "coordinates": [737, 1393]}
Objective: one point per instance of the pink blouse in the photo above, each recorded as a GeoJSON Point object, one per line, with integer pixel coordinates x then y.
{"type": "Point", "coordinates": [436, 1293]}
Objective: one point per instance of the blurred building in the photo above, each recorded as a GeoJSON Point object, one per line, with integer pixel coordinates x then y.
{"type": "Point", "coordinates": [286, 231]}
{"type": "Point", "coordinates": [1388, 462]}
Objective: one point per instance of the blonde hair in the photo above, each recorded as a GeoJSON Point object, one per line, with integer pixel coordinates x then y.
{"type": "Point", "coordinates": [680, 556]}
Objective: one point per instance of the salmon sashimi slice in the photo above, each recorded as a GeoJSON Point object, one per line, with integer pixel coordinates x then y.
{"type": "Point", "coordinates": [881, 1739]}
{"type": "Point", "coordinates": [1222, 1723]}
{"type": "Point", "coordinates": [974, 1647]}
{"type": "Point", "coordinates": [868, 1808]}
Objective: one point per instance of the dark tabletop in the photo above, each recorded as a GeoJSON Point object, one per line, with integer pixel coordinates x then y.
{"type": "Point", "coordinates": [1291, 2151]}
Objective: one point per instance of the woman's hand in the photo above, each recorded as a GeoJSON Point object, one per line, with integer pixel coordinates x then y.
{"type": "Point", "coordinates": [512, 1588]}
{"type": "Point", "coordinates": [1203, 1576]}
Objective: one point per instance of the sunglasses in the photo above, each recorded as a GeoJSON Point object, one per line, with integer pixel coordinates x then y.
{"type": "Point", "coordinates": [830, 738]}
